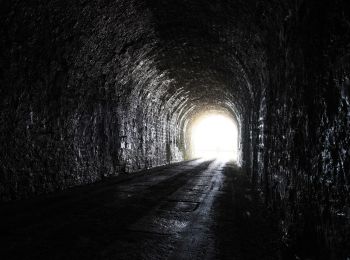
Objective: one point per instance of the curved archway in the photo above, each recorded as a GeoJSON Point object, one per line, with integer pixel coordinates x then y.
{"type": "Point", "coordinates": [213, 133]}
{"type": "Point", "coordinates": [215, 136]}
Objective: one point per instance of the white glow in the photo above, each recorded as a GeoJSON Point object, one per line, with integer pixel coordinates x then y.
{"type": "Point", "coordinates": [215, 136]}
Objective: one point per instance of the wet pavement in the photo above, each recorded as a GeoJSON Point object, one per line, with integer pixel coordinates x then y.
{"type": "Point", "coordinates": [190, 210]}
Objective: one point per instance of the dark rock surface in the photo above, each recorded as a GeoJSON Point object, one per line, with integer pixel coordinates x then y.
{"type": "Point", "coordinates": [92, 89]}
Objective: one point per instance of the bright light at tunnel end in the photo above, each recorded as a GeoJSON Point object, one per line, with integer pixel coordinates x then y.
{"type": "Point", "coordinates": [215, 136]}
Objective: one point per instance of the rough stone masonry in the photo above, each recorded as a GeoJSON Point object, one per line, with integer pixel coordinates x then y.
{"type": "Point", "coordinates": [93, 89]}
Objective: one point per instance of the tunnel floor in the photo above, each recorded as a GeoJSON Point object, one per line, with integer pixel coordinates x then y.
{"type": "Point", "coordinates": [190, 210]}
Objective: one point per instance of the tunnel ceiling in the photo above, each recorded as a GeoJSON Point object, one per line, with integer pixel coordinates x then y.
{"type": "Point", "coordinates": [202, 46]}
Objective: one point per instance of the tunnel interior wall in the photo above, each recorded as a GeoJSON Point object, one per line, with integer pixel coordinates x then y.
{"type": "Point", "coordinates": [300, 130]}
{"type": "Point", "coordinates": [81, 96]}
{"type": "Point", "coordinates": [90, 89]}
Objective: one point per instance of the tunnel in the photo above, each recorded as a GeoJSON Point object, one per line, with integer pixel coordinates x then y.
{"type": "Point", "coordinates": [111, 92]}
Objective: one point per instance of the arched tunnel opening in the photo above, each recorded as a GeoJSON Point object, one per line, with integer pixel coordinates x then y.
{"type": "Point", "coordinates": [213, 134]}
{"type": "Point", "coordinates": [106, 106]}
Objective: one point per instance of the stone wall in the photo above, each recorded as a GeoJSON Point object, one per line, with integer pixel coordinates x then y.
{"type": "Point", "coordinates": [81, 96]}
{"type": "Point", "coordinates": [303, 131]}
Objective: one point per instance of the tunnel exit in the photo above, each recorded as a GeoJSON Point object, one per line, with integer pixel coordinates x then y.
{"type": "Point", "coordinates": [215, 136]}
